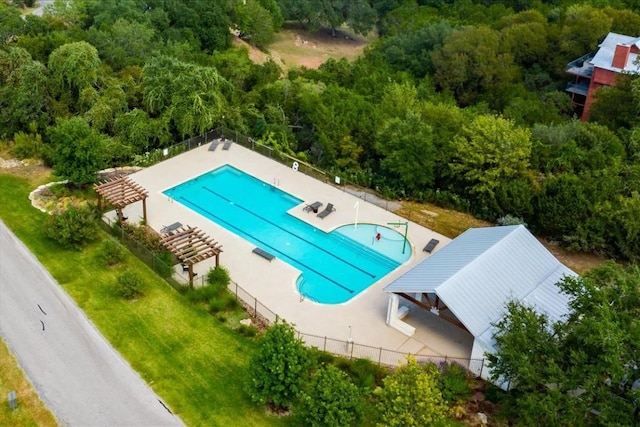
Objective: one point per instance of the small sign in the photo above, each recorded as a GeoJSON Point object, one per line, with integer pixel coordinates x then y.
{"type": "Point", "coordinates": [13, 400]}
{"type": "Point", "coordinates": [337, 180]}
{"type": "Point", "coordinates": [165, 152]}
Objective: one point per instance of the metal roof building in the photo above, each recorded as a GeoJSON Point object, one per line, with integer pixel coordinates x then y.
{"type": "Point", "coordinates": [470, 280]}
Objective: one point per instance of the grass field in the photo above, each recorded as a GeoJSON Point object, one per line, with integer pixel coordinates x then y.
{"type": "Point", "coordinates": [196, 365]}
{"type": "Point", "coordinates": [30, 410]}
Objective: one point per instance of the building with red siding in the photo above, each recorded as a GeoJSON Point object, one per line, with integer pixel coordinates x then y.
{"type": "Point", "coordinates": [616, 54]}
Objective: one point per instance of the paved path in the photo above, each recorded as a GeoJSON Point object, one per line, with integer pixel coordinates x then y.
{"type": "Point", "coordinates": [78, 375]}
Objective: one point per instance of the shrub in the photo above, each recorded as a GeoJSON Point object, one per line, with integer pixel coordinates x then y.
{"type": "Point", "coordinates": [278, 368]}
{"type": "Point", "coordinates": [453, 383]}
{"type": "Point", "coordinates": [366, 374]}
{"type": "Point", "coordinates": [202, 294]}
{"type": "Point", "coordinates": [27, 146]}
{"type": "Point", "coordinates": [72, 227]}
{"type": "Point", "coordinates": [218, 276]}
{"type": "Point", "coordinates": [129, 285]}
{"type": "Point", "coordinates": [111, 253]}
{"type": "Point", "coordinates": [331, 400]}
{"type": "Point", "coordinates": [510, 220]}
{"type": "Point", "coordinates": [411, 397]}
{"type": "Point", "coordinates": [223, 302]}
{"type": "Point", "coordinates": [247, 330]}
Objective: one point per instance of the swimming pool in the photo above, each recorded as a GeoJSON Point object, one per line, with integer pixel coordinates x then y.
{"type": "Point", "coordinates": [335, 266]}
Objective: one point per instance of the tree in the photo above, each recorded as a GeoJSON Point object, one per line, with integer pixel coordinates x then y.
{"type": "Point", "coordinates": [408, 153]}
{"type": "Point", "coordinates": [489, 152]}
{"type": "Point", "coordinates": [255, 23]}
{"type": "Point", "coordinates": [279, 367]}
{"type": "Point", "coordinates": [357, 14]}
{"type": "Point", "coordinates": [73, 67]}
{"type": "Point", "coordinates": [24, 98]}
{"type": "Point", "coordinates": [190, 96]}
{"type": "Point", "coordinates": [583, 26]}
{"type": "Point", "coordinates": [471, 62]}
{"type": "Point", "coordinates": [78, 150]}
{"type": "Point", "coordinates": [581, 371]}
{"type": "Point", "coordinates": [331, 400]}
{"type": "Point", "coordinates": [410, 396]}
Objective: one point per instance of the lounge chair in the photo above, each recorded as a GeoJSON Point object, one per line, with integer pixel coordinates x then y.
{"type": "Point", "coordinates": [214, 145]}
{"type": "Point", "coordinates": [431, 245]}
{"type": "Point", "coordinates": [170, 228]}
{"type": "Point", "coordinates": [264, 254]}
{"type": "Point", "coordinates": [227, 144]}
{"type": "Point", "coordinates": [185, 269]}
{"type": "Point", "coordinates": [327, 210]}
{"type": "Point", "coordinates": [313, 207]}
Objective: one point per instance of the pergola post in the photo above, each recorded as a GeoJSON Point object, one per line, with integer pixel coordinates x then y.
{"type": "Point", "coordinates": [144, 210]}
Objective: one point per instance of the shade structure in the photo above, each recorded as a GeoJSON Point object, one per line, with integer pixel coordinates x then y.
{"type": "Point", "coordinates": [191, 245]}
{"type": "Point", "coordinates": [121, 192]}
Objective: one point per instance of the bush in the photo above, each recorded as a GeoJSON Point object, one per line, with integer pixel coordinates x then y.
{"type": "Point", "coordinates": [111, 253]}
{"type": "Point", "coordinates": [129, 285]}
{"type": "Point", "coordinates": [366, 374]}
{"type": "Point", "coordinates": [218, 276]}
{"type": "Point", "coordinates": [453, 383]}
{"type": "Point", "coordinates": [278, 368]}
{"type": "Point", "coordinates": [511, 220]}
{"type": "Point", "coordinates": [332, 400]}
{"type": "Point", "coordinates": [247, 330]}
{"type": "Point", "coordinates": [224, 302]}
{"type": "Point", "coordinates": [202, 294]}
{"type": "Point", "coordinates": [72, 227]}
{"type": "Point", "coordinates": [27, 146]}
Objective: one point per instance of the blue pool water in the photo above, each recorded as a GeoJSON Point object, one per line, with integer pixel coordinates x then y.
{"type": "Point", "coordinates": [335, 266]}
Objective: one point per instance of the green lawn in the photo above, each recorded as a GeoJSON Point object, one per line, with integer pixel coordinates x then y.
{"type": "Point", "coordinates": [196, 365]}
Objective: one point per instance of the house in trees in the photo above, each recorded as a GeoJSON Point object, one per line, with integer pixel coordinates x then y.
{"type": "Point", "coordinates": [469, 282]}
{"type": "Point", "coordinates": [616, 54]}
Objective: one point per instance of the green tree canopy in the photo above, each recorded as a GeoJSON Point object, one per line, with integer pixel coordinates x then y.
{"type": "Point", "coordinates": [582, 371]}
{"type": "Point", "coordinates": [489, 152]}
{"type": "Point", "coordinates": [331, 400]}
{"type": "Point", "coordinates": [278, 368]}
{"type": "Point", "coordinates": [410, 397]}
{"type": "Point", "coordinates": [78, 150]}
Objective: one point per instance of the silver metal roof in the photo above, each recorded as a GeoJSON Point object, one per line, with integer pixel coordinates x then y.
{"type": "Point", "coordinates": [604, 56]}
{"type": "Point", "coordinates": [483, 268]}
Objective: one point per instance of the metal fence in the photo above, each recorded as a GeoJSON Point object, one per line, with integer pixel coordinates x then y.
{"type": "Point", "coordinates": [342, 182]}
{"type": "Point", "coordinates": [258, 311]}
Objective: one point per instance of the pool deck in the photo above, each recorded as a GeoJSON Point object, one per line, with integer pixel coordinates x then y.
{"type": "Point", "coordinates": [273, 283]}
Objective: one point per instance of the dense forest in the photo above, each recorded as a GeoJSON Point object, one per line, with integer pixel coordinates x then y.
{"type": "Point", "coordinates": [460, 103]}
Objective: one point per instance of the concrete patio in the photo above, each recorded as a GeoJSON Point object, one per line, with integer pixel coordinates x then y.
{"type": "Point", "coordinates": [274, 283]}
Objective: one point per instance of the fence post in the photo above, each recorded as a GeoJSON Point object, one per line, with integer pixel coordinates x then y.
{"type": "Point", "coordinates": [351, 354]}
{"type": "Point", "coordinates": [255, 307]}
{"type": "Point", "coordinates": [324, 346]}
{"type": "Point", "coordinates": [481, 368]}
{"type": "Point", "coordinates": [380, 357]}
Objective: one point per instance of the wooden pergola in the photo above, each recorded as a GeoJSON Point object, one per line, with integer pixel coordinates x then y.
{"type": "Point", "coordinates": [121, 192]}
{"type": "Point", "coordinates": [191, 246]}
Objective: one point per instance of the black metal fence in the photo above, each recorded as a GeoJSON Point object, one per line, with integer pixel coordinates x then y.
{"type": "Point", "coordinates": [257, 310]}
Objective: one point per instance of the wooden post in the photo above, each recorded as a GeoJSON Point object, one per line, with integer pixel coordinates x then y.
{"type": "Point", "coordinates": [217, 260]}
{"type": "Point", "coordinates": [144, 211]}
{"type": "Point", "coordinates": [191, 275]}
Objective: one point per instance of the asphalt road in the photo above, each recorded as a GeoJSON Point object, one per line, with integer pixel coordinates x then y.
{"type": "Point", "coordinates": [78, 375]}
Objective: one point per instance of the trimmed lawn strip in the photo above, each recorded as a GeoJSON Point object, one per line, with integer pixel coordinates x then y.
{"type": "Point", "coordinates": [30, 411]}
{"type": "Point", "coordinates": [197, 365]}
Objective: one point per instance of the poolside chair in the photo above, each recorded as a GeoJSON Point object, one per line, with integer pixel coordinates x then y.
{"type": "Point", "coordinates": [214, 145]}
{"type": "Point", "coordinates": [227, 144]}
{"type": "Point", "coordinates": [264, 254]}
{"type": "Point", "coordinates": [431, 245]}
{"type": "Point", "coordinates": [313, 207]}
{"type": "Point", "coordinates": [326, 211]}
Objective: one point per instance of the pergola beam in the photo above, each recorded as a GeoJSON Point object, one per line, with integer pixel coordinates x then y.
{"type": "Point", "coordinates": [121, 192]}
{"type": "Point", "coordinates": [191, 246]}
